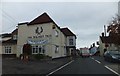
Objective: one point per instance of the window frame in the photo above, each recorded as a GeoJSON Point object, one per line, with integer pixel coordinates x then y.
{"type": "Point", "coordinates": [71, 41]}
{"type": "Point", "coordinates": [38, 49]}
{"type": "Point", "coordinates": [14, 37]}
{"type": "Point", "coordinates": [8, 50]}
{"type": "Point", "coordinates": [56, 49]}
{"type": "Point", "coordinates": [56, 33]}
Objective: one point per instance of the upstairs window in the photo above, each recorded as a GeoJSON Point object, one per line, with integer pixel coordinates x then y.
{"type": "Point", "coordinates": [70, 41]}
{"type": "Point", "coordinates": [56, 33]}
{"type": "Point", "coordinates": [14, 37]}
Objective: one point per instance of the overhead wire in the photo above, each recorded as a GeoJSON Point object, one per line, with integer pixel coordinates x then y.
{"type": "Point", "coordinates": [11, 19]}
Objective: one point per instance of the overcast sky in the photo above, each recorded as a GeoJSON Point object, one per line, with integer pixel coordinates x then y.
{"type": "Point", "coordinates": [85, 19]}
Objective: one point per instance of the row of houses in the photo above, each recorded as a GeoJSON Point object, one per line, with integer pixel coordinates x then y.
{"type": "Point", "coordinates": [43, 34]}
{"type": "Point", "coordinates": [107, 43]}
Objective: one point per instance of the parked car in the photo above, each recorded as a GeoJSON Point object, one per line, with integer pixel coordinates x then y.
{"type": "Point", "coordinates": [112, 56]}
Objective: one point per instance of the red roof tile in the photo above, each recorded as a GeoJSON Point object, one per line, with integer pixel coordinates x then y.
{"type": "Point", "coordinates": [67, 32]}
{"type": "Point", "coordinates": [44, 18]}
{"type": "Point", "coordinates": [108, 39]}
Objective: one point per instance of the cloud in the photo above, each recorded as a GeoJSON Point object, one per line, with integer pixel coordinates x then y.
{"type": "Point", "coordinates": [60, 0]}
{"type": "Point", "coordinates": [85, 19]}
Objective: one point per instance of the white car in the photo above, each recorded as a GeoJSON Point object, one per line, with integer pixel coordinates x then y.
{"type": "Point", "coordinates": [85, 53]}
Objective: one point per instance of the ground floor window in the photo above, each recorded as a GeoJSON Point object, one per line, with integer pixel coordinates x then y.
{"type": "Point", "coordinates": [7, 49]}
{"type": "Point", "coordinates": [65, 50]}
{"type": "Point", "coordinates": [56, 49]}
{"type": "Point", "coordinates": [36, 49]}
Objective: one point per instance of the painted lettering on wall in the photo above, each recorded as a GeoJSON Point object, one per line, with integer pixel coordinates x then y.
{"type": "Point", "coordinates": [41, 36]}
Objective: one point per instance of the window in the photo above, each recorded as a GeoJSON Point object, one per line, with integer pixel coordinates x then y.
{"type": "Point", "coordinates": [70, 41]}
{"type": "Point", "coordinates": [43, 49]}
{"type": "Point", "coordinates": [38, 49]}
{"type": "Point", "coordinates": [7, 49]}
{"type": "Point", "coordinates": [56, 33]}
{"type": "Point", "coordinates": [14, 37]}
{"type": "Point", "coordinates": [65, 50]}
{"type": "Point", "coordinates": [57, 49]}
{"type": "Point", "coordinates": [34, 49]}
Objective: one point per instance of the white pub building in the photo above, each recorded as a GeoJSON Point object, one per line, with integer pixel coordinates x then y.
{"type": "Point", "coordinates": [45, 37]}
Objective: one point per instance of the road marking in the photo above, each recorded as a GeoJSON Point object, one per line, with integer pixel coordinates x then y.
{"type": "Point", "coordinates": [98, 61]}
{"type": "Point", "coordinates": [92, 58]}
{"type": "Point", "coordinates": [60, 68]}
{"type": "Point", "coordinates": [112, 70]}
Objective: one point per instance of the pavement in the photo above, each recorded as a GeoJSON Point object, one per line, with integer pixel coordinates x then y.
{"type": "Point", "coordinates": [114, 66]}
{"type": "Point", "coordinates": [15, 66]}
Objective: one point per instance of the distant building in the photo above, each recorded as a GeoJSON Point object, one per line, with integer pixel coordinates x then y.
{"type": "Point", "coordinates": [9, 44]}
{"type": "Point", "coordinates": [70, 41]}
{"type": "Point", "coordinates": [93, 50]}
{"type": "Point", "coordinates": [106, 43]}
{"type": "Point", "coordinates": [45, 37]}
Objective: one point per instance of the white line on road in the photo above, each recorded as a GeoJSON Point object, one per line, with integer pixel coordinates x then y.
{"type": "Point", "coordinates": [98, 61]}
{"type": "Point", "coordinates": [92, 58]}
{"type": "Point", "coordinates": [112, 70]}
{"type": "Point", "coordinates": [60, 68]}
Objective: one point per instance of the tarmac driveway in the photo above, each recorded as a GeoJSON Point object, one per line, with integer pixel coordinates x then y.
{"type": "Point", "coordinates": [15, 66]}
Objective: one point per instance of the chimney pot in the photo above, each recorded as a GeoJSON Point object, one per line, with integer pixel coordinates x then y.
{"type": "Point", "coordinates": [102, 34]}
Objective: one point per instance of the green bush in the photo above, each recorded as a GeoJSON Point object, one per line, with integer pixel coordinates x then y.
{"type": "Point", "coordinates": [39, 56]}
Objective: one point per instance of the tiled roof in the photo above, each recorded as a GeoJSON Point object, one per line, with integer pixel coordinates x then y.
{"type": "Point", "coordinates": [67, 32]}
{"type": "Point", "coordinates": [10, 41]}
{"type": "Point", "coordinates": [107, 39]}
{"type": "Point", "coordinates": [5, 35]}
{"type": "Point", "coordinates": [23, 23]}
{"type": "Point", "coordinates": [44, 18]}
{"type": "Point", "coordinates": [15, 31]}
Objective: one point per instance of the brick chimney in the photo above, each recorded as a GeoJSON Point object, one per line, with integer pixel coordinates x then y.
{"type": "Point", "coordinates": [102, 34]}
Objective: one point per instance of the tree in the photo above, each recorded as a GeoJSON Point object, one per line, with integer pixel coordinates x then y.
{"type": "Point", "coordinates": [114, 29]}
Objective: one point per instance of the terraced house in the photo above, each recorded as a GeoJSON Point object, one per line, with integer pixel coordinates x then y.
{"type": "Point", "coordinates": [45, 37]}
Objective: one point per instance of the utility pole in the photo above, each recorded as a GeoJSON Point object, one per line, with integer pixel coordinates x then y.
{"type": "Point", "coordinates": [105, 29]}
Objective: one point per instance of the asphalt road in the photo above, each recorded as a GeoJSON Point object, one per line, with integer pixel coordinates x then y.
{"type": "Point", "coordinates": [32, 67]}
{"type": "Point", "coordinates": [84, 66]}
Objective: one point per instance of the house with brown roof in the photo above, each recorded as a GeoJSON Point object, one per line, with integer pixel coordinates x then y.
{"type": "Point", "coordinates": [106, 43]}
{"type": "Point", "coordinates": [9, 44]}
{"type": "Point", "coordinates": [70, 40]}
{"type": "Point", "coordinates": [4, 37]}
{"type": "Point", "coordinates": [44, 36]}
